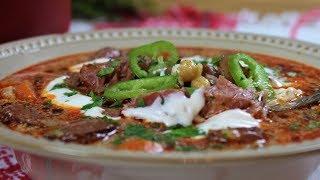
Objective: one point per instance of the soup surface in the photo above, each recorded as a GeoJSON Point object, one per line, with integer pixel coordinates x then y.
{"type": "Point", "coordinates": [159, 98]}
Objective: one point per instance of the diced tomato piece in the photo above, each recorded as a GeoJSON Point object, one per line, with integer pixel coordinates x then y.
{"type": "Point", "coordinates": [135, 144]}
{"type": "Point", "coordinates": [74, 114]}
{"type": "Point", "coordinates": [24, 91]}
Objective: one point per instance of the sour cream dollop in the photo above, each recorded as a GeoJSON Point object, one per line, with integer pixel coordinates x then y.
{"type": "Point", "coordinates": [175, 109]}
{"type": "Point", "coordinates": [60, 97]}
{"type": "Point", "coordinates": [234, 118]}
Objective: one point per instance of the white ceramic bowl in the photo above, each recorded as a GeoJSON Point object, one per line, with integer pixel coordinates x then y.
{"type": "Point", "coordinates": [43, 159]}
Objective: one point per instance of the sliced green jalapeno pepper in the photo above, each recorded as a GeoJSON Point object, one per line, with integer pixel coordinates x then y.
{"type": "Point", "coordinates": [160, 49]}
{"type": "Point", "coordinates": [138, 87]}
{"type": "Point", "coordinates": [258, 78]}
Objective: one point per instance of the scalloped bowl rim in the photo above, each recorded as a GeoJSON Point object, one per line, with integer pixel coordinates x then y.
{"type": "Point", "coordinates": [100, 155]}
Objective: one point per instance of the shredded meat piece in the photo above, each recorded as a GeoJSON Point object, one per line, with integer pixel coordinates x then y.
{"type": "Point", "coordinates": [21, 112]}
{"type": "Point", "coordinates": [84, 131]}
{"type": "Point", "coordinates": [237, 135]}
{"type": "Point", "coordinates": [211, 78]}
{"type": "Point", "coordinates": [231, 136]}
{"type": "Point", "coordinates": [121, 73]}
{"type": "Point", "coordinates": [89, 78]}
{"type": "Point", "coordinates": [210, 70]}
{"type": "Point", "coordinates": [210, 73]}
{"type": "Point", "coordinates": [73, 81]}
{"type": "Point", "coordinates": [198, 143]}
{"type": "Point", "coordinates": [106, 52]}
{"type": "Point", "coordinates": [224, 68]}
{"type": "Point", "coordinates": [225, 95]}
{"type": "Point", "coordinates": [145, 62]}
{"type": "Point", "coordinates": [113, 112]}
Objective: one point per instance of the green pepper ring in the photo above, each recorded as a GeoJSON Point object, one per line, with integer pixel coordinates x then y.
{"type": "Point", "coordinates": [156, 49]}
{"type": "Point", "coordinates": [258, 78]}
{"type": "Point", "coordinates": [135, 88]}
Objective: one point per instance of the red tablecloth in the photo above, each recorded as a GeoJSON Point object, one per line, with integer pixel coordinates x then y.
{"type": "Point", "coordinates": [9, 167]}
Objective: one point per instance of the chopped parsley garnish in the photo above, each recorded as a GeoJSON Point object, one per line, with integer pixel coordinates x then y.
{"type": "Point", "coordinates": [88, 106]}
{"type": "Point", "coordinates": [117, 140]}
{"type": "Point", "coordinates": [137, 130]}
{"type": "Point", "coordinates": [190, 90]}
{"type": "Point", "coordinates": [181, 132]}
{"type": "Point", "coordinates": [140, 102]}
{"type": "Point", "coordinates": [97, 101]}
{"type": "Point", "coordinates": [69, 94]}
{"type": "Point", "coordinates": [188, 131]}
{"type": "Point", "coordinates": [215, 60]}
{"type": "Point", "coordinates": [227, 133]}
{"type": "Point", "coordinates": [313, 125]}
{"type": "Point", "coordinates": [294, 126]}
{"type": "Point", "coordinates": [58, 86]}
{"type": "Point", "coordinates": [108, 70]}
{"type": "Point", "coordinates": [115, 63]}
{"type": "Point", "coordinates": [169, 138]}
{"type": "Point", "coordinates": [105, 71]}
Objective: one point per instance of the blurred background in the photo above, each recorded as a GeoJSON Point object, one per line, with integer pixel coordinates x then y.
{"type": "Point", "coordinates": [19, 19]}
{"type": "Point", "coordinates": [286, 18]}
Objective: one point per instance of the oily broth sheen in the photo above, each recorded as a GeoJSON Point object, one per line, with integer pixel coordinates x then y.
{"type": "Point", "coordinates": [275, 127]}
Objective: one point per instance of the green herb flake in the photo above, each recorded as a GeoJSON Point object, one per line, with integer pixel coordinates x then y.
{"type": "Point", "coordinates": [58, 86]}
{"type": "Point", "coordinates": [97, 101]}
{"type": "Point", "coordinates": [140, 102]}
{"type": "Point", "coordinates": [137, 130]}
{"type": "Point", "coordinates": [313, 125]}
{"type": "Point", "coordinates": [88, 106]}
{"type": "Point", "coordinates": [189, 131]}
{"type": "Point", "coordinates": [175, 127]}
{"type": "Point", "coordinates": [169, 138]}
{"type": "Point", "coordinates": [294, 126]}
{"type": "Point", "coordinates": [69, 94]}
{"type": "Point", "coordinates": [227, 133]}
{"type": "Point", "coordinates": [115, 63]}
{"type": "Point", "coordinates": [166, 139]}
{"type": "Point", "coordinates": [105, 71]}
{"type": "Point", "coordinates": [190, 90]}
{"type": "Point", "coordinates": [216, 60]}
{"type": "Point", "coordinates": [117, 140]}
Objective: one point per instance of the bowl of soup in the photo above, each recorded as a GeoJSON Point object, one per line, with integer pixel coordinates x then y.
{"type": "Point", "coordinates": [161, 103]}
